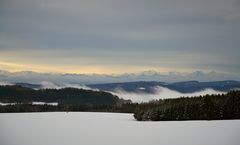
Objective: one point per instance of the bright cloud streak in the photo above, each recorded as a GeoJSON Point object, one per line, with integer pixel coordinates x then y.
{"type": "Point", "coordinates": [161, 93]}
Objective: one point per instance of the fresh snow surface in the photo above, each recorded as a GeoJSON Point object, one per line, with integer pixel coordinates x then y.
{"type": "Point", "coordinates": [82, 128]}
{"type": "Point", "coordinates": [5, 104]}
{"type": "Point", "coordinates": [33, 103]}
{"type": "Point", "coordinates": [44, 103]}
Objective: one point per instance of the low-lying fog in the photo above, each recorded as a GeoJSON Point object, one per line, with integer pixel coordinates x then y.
{"type": "Point", "coordinates": [160, 93]}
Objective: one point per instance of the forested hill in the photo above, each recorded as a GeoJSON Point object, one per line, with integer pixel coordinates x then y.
{"type": "Point", "coordinates": [208, 107]}
{"type": "Point", "coordinates": [72, 96]}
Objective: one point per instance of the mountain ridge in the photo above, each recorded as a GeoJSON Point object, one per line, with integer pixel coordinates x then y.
{"type": "Point", "coordinates": [148, 86]}
{"type": "Point", "coordinates": [183, 87]}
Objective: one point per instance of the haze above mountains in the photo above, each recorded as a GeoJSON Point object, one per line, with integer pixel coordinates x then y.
{"type": "Point", "coordinates": [151, 75]}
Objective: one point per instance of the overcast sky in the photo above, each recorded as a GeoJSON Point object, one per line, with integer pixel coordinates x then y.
{"type": "Point", "coordinates": [118, 36]}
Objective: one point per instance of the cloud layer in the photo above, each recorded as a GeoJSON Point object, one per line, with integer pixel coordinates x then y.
{"type": "Point", "coordinates": [160, 93]}
{"type": "Point", "coordinates": [57, 78]}
{"type": "Point", "coordinates": [110, 35]}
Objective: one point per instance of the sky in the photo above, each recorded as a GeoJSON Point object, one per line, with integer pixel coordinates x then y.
{"type": "Point", "coordinates": [120, 36]}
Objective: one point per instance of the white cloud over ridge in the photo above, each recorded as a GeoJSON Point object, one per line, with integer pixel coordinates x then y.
{"type": "Point", "coordinates": [161, 93]}
{"type": "Point", "coordinates": [5, 83]}
{"type": "Point", "coordinates": [50, 85]}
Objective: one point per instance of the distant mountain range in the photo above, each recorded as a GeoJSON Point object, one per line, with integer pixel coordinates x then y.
{"type": "Point", "coordinates": [145, 81]}
{"type": "Point", "coordinates": [183, 87]}
{"type": "Point", "coordinates": [145, 76]}
{"type": "Point", "coordinates": [149, 86]}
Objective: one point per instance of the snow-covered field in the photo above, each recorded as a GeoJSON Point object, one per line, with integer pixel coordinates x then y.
{"type": "Point", "coordinates": [111, 129]}
{"type": "Point", "coordinates": [33, 103]}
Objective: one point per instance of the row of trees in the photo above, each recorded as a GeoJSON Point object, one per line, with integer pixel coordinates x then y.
{"type": "Point", "coordinates": [27, 107]}
{"type": "Point", "coordinates": [208, 107]}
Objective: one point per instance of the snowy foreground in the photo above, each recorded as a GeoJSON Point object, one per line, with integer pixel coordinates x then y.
{"type": "Point", "coordinates": [111, 129]}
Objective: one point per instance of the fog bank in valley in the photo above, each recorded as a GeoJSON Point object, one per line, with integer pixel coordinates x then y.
{"type": "Point", "coordinates": [160, 93]}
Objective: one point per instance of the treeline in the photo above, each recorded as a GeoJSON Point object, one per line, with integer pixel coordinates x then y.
{"type": "Point", "coordinates": [208, 107]}
{"type": "Point", "coordinates": [28, 107]}
{"type": "Point", "coordinates": [122, 107]}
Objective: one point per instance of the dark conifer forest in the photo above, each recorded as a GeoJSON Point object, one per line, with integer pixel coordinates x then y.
{"type": "Point", "coordinates": [73, 96]}
{"type": "Point", "coordinates": [208, 107]}
{"type": "Point", "coordinates": [68, 99]}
